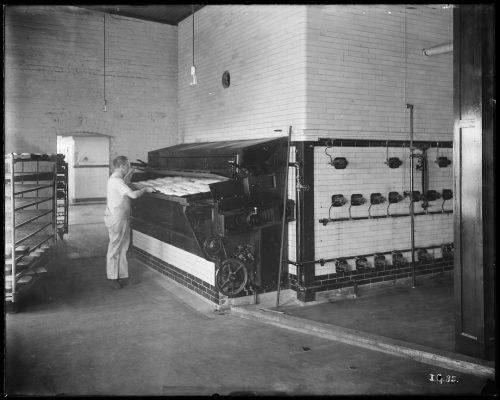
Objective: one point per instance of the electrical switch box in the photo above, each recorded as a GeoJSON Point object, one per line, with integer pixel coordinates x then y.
{"type": "Point", "coordinates": [362, 263]}
{"type": "Point", "coordinates": [379, 261]}
{"type": "Point", "coordinates": [432, 195]}
{"type": "Point", "coordinates": [447, 194]}
{"type": "Point", "coordinates": [443, 162]}
{"type": "Point", "coordinates": [339, 162]}
{"type": "Point", "coordinates": [447, 251]}
{"type": "Point", "coordinates": [357, 200]}
{"type": "Point", "coordinates": [416, 196]}
{"type": "Point", "coordinates": [338, 200]}
{"type": "Point", "coordinates": [395, 197]}
{"type": "Point", "coordinates": [393, 162]}
{"type": "Point", "coordinates": [424, 256]}
{"type": "Point", "coordinates": [398, 260]}
{"type": "Point", "coordinates": [341, 265]}
{"type": "Point", "coordinates": [376, 198]}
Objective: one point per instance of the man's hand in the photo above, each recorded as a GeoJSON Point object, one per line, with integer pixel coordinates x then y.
{"type": "Point", "coordinates": [149, 189]}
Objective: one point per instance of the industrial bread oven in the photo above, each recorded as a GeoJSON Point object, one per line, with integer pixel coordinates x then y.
{"type": "Point", "coordinates": [221, 201]}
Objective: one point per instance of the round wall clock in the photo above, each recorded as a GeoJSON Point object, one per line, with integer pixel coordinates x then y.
{"type": "Point", "coordinates": [226, 79]}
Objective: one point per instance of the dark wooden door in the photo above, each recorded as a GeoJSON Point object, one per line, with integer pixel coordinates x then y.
{"type": "Point", "coordinates": [474, 112]}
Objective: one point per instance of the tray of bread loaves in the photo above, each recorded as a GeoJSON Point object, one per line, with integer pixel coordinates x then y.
{"type": "Point", "coordinates": [178, 185]}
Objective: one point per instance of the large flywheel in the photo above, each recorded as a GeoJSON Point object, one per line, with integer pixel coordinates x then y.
{"type": "Point", "coordinates": [231, 277]}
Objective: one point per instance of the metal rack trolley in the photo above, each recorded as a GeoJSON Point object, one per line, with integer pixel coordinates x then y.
{"type": "Point", "coordinates": [30, 221]}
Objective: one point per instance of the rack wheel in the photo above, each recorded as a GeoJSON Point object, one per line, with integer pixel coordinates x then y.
{"type": "Point", "coordinates": [11, 307]}
{"type": "Point", "coordinates": [231, 277]}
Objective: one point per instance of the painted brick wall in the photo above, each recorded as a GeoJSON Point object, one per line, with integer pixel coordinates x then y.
{"type": "Point", "coordinates": [366, 173]}
{"type": "Point", "coordinates": [263, 48]}
{"type": "Point", "coordinates": [364, 65]}
{"type": "Point", "coordinates": [54, 79]}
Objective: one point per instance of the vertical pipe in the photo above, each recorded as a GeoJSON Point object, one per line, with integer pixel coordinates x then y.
{"type": "Point", "coordinates": [13, 227]}
{"type": "Point", "coordinates": [412, 216]}
{"type": "Point", "coordinates": [283, 223]}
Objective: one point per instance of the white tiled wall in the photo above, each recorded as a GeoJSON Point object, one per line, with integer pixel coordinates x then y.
{"type": "Point", "coordinates": [365, 62]}
{"type": "Point", "coordinates": [263, 48]}
{"type": "Point", "coordinates": [366, 173]}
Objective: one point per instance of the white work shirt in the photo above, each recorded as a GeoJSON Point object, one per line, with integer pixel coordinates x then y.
{"type": "Point", "coordinates": [117, 190]}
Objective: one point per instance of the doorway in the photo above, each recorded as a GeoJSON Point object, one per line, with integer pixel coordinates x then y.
{"type": "Point", "coordinates": [87, 155]}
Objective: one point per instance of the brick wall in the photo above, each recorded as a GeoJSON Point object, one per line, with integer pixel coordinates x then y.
{"type": "Point", "coordinates": [263, 48]}
{"type": "Point", "coordinates": [54, 79]}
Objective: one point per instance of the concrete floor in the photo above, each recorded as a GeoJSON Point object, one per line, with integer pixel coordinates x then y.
{"type": "Point", "coordinates": [423, 315]}
{"type": "Point", "coordinates": [76, 336]}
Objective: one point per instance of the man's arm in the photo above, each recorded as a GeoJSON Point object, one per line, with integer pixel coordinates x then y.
{"type": "Point", "coordinates": [135, 194]}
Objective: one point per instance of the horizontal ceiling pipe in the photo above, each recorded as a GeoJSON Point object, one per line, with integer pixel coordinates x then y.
{"type": "Point", "coordinates": [441, 49]}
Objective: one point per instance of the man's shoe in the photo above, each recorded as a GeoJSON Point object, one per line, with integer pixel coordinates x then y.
{"type": "Point", "coordinates": [129, 281]}
{"type": "Point", "coordinates": [115, 284]}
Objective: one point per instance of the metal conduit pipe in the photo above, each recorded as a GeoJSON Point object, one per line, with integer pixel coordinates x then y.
{"type": "Point", "coordinates": [412, 208]}
{"type": "Point", "coordinates": [327, 260]}
{"type": "Point", "coordinates": [436, 50]}
{"type": "Point", "coordinates": [283, 222]}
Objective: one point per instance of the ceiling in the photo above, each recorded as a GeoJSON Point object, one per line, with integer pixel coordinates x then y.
{"type": "Point", "coordinates": [170, 14]}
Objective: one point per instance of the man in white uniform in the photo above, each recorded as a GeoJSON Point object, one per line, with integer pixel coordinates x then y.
{"type": "Point", "coordinates": [117, 220]}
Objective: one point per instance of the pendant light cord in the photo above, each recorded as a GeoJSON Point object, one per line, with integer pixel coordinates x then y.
{"type": "Point", "coordinates": [104, 76]}
{"type": "Point", "coordinates": [406, 56]}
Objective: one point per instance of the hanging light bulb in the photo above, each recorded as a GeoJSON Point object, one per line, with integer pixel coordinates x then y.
{"type": "Point", "coordinates": [194, 81]}
{"type": "Point", "coordinates": [193, 75]}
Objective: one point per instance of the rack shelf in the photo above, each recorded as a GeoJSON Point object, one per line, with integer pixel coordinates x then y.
{"type": "Point", "coordinates": [25, 202]}
{"type": "Point", "coordinates": [29, 176]}
{"type": "Point", "coordinates": [30, 231]}
{"type": "Point", "coordinates": [26, 216]}
{"type": "Point", "coordinates": [20, 188]}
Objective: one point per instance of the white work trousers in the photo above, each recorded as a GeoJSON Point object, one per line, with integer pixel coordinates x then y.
{"type": "Point", "coordinates": [118, 224]}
